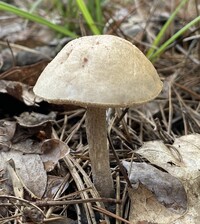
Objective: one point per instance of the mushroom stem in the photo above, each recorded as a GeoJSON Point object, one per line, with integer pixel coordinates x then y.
{"type": "Point", "coordinates": [96, 130]}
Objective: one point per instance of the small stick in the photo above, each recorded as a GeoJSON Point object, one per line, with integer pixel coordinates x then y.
{"type": "Point", "coordinates": [106, 212]}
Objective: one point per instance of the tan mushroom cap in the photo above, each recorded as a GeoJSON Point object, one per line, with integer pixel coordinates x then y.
{"type": "Point", "coordinates": [102, 71]}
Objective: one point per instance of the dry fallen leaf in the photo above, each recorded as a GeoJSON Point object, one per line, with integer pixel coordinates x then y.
{"type": "Point", "coordinates": [145, 208]}
{"type": "Point", "coordinates": [168, 190]}
{"type": "Point", "coordinates": [22, 141]}
{"type": "Point", "coordinates": [29, 168]}
{"type": "Point", "coordinates": [26, 138]}
{"type": "Point", "coordinates": [25, 74]}
{"type": "Point", "coordinates": [33, 124]}
{"type": "Point", "coordinates": [35, 119]}
{"type": "Point", "coordinates": [53, 150]}
{"type": "Point", "coordinates": [20, 91]}
{"type": "Point", "coordinates": [7, 131]}
{"type": "Point", "coordinates": [181, 160]}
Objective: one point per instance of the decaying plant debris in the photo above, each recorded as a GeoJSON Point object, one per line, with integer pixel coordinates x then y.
{"type": "Point", "coordinates": [45, 173]}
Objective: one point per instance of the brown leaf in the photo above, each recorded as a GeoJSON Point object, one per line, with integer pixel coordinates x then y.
{"type": "Point", "coordinates": [27, 146]}
{"type": "Point", "coordinates": [27, 135]}
{"type": "Point", "coordinates": [30, 142]}
{"type": "Point", "coordinates": [29, 168]}
{"type": "Point", "coordinates": [20, 91]}
{"type": "Point", "coordinates": [34, 119]}
{"type": "Point", "coordinates": [182, 160]}
{"type": "Point", "coordinates": [53, 150]}
{"type": "Point", "coordinates": [8, 128]}
{"type": "Point", "coordinates": [168, 190]}
{"type": "Point", "coordinates": [25, 74]}
{"type": "Point", "coordinates": [145, 206]}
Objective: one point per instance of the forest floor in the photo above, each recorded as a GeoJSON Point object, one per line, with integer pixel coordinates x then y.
{"type": "Point", "coordinates": [45, 174]}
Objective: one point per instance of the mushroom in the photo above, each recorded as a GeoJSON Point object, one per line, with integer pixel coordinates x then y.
{"type": "Point", "coordinates": [99, 72]}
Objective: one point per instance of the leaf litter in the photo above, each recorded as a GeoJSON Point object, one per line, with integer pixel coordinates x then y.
{"type": "Point", "coordinates": [45, 168]}
{"type": "Point", "coordinates": [168, 190]}
{"type": "Point", "coordinates": [183, 170]}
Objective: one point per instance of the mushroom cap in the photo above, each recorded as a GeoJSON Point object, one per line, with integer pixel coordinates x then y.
{"type": "Point", "coordinates": [100, 71]}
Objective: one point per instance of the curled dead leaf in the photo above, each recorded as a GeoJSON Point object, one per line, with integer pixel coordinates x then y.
{"type": "Point", "coordinates": [53, 150]}
{"type": "Point", "coordinates": [20, 91]}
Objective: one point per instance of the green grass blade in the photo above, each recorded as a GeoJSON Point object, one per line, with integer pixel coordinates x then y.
{"type": "Point", "coordinates": [35, 18]}
{"type": "Point", "coordinates": [35, 5]}
{"type": "Point", "coordinates": [164, 28]}
{"type": "Point", "coordinates": [163, 47]}
{"type": "Point", "coordinates": [88, 17]}
{"type": "Point", "coordinates": [99, 15]}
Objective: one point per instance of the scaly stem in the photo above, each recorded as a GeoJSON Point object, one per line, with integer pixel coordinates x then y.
{"type": "Point", "coordinates": [96, 130]}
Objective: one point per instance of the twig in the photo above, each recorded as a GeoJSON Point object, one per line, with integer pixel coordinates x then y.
{"type": "Point", "coordinates": [18, 200]}
{"type": "Point", "coordinates": [89, 184]}
{"type": "Point", "coordinates": [106, 212]}
{"type": "Point", "coordinates": [118, 206]}
{"type": "Point", "coordinates": [122, 169]}
{"type": "Point", "coordinates": [79, 183]}
{"type": "Point", "coordinates": [73, 202]}
{"type": "Point", "coordinates": [170, 108]}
